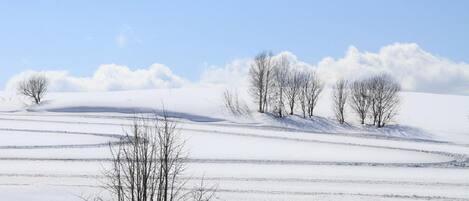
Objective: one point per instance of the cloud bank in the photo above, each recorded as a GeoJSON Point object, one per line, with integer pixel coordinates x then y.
{"type": "Point", "coordinates": [413, 67]}
{"type": "Point", "coordinates": [108, 77]}
{"type": "Point", "coordinates": [416, 69]}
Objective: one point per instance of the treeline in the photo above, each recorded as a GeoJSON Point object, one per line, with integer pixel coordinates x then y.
{"type": "Point", "coordinates": [280, 89]}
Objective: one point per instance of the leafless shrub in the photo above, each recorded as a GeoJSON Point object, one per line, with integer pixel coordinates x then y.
{"type": "Point", "coordinates": [34, 87]}
{"type": "Point", "coordinates": [233, 104]}
{"type": "Point", "coordinates": [339, 98]}
{"type": "Point", "coordinates": [384, 98]}
{"type": "Point", "coordinates": [149, 166]}
{"type": "Point", "coordinates": [260, 76]}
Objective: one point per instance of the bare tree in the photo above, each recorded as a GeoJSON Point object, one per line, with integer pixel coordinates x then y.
{"type": "Point", "coordinates": [315, 88]}
{"type": "Point", "coordinates": [303, 97]}
{"type": "Point", "coordinates": [280, 80]}
{"type": "Point", "coordinates": [260, 75]}
{"type": "Point", "coordinates": [384, 98]}
{"type": "Point", "coordinates": [359, 99]}
{"type": "Point", "coordinates": [294, 83]}
{"type": "Point", "coordinates": [149, 166]}
{"type": "Point", "coordinates": [339, 98]}
{"type": "Point", "coordinates": [34, 87]}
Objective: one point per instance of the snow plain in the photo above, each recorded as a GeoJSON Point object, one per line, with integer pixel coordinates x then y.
{"type": "Point", "coordinates": [57, 151]}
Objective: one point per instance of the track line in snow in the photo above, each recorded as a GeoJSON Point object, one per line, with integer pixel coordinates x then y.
{"type": "Point", "coordinates": [62, 132]}
{"type": "Point", "coordinates": [356, 134]}
{"type": "Point", "coordinates": [256, 179]}
{"type": "Point", "coordinates": [274, 192]}
{"type": "Point", "coordinates": [458, 159]}
{"type": "Point", "coordinates": [449, 164]}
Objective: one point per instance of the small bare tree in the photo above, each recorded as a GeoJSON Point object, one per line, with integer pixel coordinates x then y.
{"type": "Point", "coordinates": [149, 166]}
{"type": "Point", "coordinates": [34, 87]}
{"type": "Point", "coordinates": [260, 76]}
{"type": "Point", "coordinates": [280, 80]}
{"type": "Point", "coordinates": [359, 99]}
{"type": "Point", "coordinates": [384, 98]}
{"type": "Point", "coordinates": [315, 88]}
{"type": "Point", "coordinates": [339, 98]}
{"type": "Point", "coordinates": [303, 97]}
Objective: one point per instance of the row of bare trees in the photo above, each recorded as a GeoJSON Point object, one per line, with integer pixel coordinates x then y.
{"type": "Point", "coordinates": [277, 87]}
{"type": "Point", "coordinates": [375, 98]}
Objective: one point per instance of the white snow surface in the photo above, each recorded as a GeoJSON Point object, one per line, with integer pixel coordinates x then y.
{"type": "Point", "coordinates": [58, 150]}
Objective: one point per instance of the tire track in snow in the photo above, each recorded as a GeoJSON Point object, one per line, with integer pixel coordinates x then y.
{"type": "Point", "coordinates": [355, 134]}
{"type": "Point", "coordinates": [459, 160]}
{"type": "Point", "coordinates": [62, 146]}
{"type": "Point", "coordinates": [257, 179]}
{"type": "Point", "coordinates": [306, 193]}
{"type": "Point", "coordinates": [213, 131]}
{"type": "Point", "coordinates": [257, 162]}
{"type": "Point", "coordinates": [65, 146]}
{"type": "Point", "coordinates": [62, 132]}
{"type": "Point", "coordinates": [282, 193]}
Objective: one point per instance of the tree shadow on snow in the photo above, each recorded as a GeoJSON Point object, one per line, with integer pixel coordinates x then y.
{"type": "Point", "coordinates": [329, 125]}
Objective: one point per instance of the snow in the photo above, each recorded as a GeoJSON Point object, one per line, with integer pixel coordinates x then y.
{"type": "Point", "coordinates": [58, 150]}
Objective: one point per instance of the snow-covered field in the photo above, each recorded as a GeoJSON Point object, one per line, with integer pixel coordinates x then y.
{"type": "Point", "coordinates": [57, 151]}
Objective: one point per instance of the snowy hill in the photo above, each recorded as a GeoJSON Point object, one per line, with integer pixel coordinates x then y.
{"type": "Point", "coordinates": [421, 115]}
{"type": "Point", "coordinates": [57, 150]}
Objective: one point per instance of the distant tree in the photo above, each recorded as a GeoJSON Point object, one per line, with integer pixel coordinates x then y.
{"type": "Point", "coordinates": [315, 88]}
{"type": "Point", "coordinates": [280, 81]}
{"type": "Point", "coordinates": [260, 76]}
{"type": "Point", "coordinates": [384, 98]}
{"type": "Point", "coordinates": [339, 98]}
{"type": "Point", "coordinates": [294, 83]}
{"type": "Point", "coordinates": [304, 94]}
{"type": "Point", "coordinates": [359, 99]}
{"type": "Point", "coordinates": [34, 87]}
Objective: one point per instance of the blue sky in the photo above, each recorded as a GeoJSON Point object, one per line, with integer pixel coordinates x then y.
{"type": "Point", "coordinates": [187, 36]}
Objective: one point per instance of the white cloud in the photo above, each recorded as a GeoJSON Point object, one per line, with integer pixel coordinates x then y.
{"type": "Point", "coordinates": [416, 69]}
{"type": "Point", "coordinates": [233, 73]}
{"type": "Point", "coordinates": [108, 77]}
